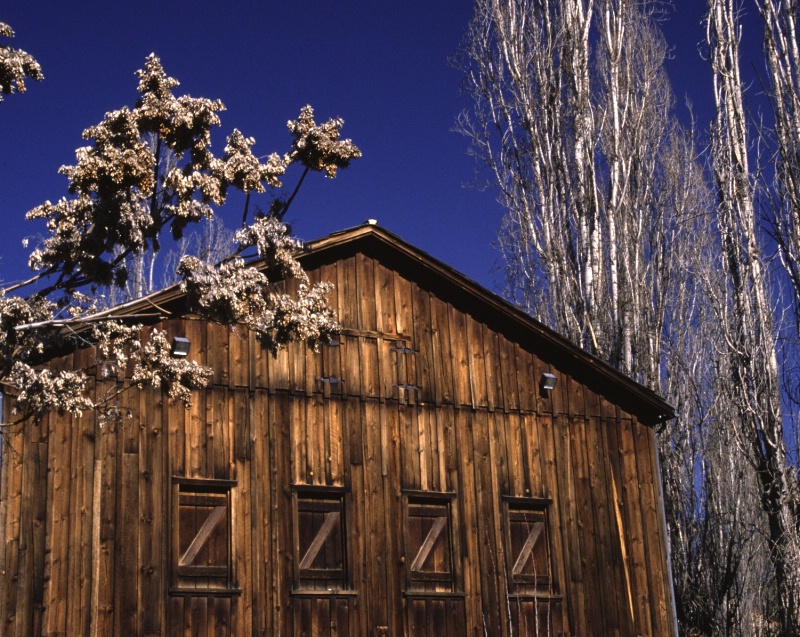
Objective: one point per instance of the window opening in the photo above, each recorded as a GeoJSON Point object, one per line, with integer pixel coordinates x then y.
{"type": "Point", "coordinates": [527, 543]}
{"type": "Point", "coordinates": [428, 541]}
{"type": "Point", "coordinates": [320, 546]}
{"type": "Point", "coordinates": [202, 551]}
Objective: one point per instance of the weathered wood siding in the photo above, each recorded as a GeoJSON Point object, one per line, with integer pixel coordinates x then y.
{"type": "Point", "coordinates": [431, 403]}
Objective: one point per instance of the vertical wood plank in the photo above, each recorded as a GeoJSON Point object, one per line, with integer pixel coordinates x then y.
{"type": "Point", "coordinates": [197, 620]}
{"type": "Point", "coordinates": [239, 374]}
{"type": "Point", "coordinates": [476, 361]}
{"type": "Point", "coordinates": [109, 459]}
{"type": "Point", "coordinates": [669, 599]}
{"type": "Point", "coordinates": [461, 364]}
{"type": "Point", "coordinates": [468, 513]}
{"type": "Point", "coordinates": [385, 300]}
{"type": "Point", "coordinates": [442, 355]}
{"type": "Point", "coordinates": [393, 515]}
{"type": "Point", "coordinates": [81, 545]}
{"type": "Point", "coordinates": [219, 357]}
{"type": "Point", "coordinates": [518, 484]}
{"type": "Point", "coordinates": [490, 567]}
{"type": "Point", "coordinates": [633, 524]}
{"type": "Point", "coordinates": [369, 368]}
{"type": "Point", "coordinates": [282, 576]}
{"type": "Point", "coordinates": [126, 589]}
{"type": "Point", "coordinates": [402, 304]}
{"type": "Point", "coordinates": [646, 469]}
{"type": "Point", "coordinates": [12, 478]}
{"type": "Point", "coordinates": [527, 379]}
{"type": "Point", "coordinates": [356, 547]}
{"type": "Point", "coordinates": [511, 376]}
{"type": "Point", "coordinates": [621, 549]}
{"type": "Point", "coordinates": [197, 437]}
{"type": "Point", "coordinates": [177, 613]}
{"type": "Point", "coordinates": [608, 555]}
{"type": "Point", "coordinates": [55, 618]}
{"type": "Point", "coordinates": [350, 353]}
{"type": "Point", "coordinates": [152, 487]}
{"type": "Point", "coordinates": [426, 378]}
{"type": "Point", "coordinates": [298, 440]}
{"type": "Point", "coordinates": [566, 491]}
{"type": "Point", "coordinates": [595, 617]}
{"type": "Point", "coordinates": [375, 508]}
{"type": "Point", "coordinates": [551, 470]}
{"type": "Point", "coordinates": [491, 361]}
{"type": "Point", "coordinates": [365, 293]}
{"type": "Point", "coordinates": [34, 489]}
{"type": "Point", "coordinates": [336, 444]}
{"type": "Point", "coordinates": [257, 475]}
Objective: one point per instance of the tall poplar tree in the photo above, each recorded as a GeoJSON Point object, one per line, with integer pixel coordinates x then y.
{"type": "Point", "coordinates": [619, 237]}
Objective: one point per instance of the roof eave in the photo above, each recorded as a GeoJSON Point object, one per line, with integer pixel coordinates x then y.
{"type": "Point", "coordinates": [648, 406]}
{"type": "Point", "coordinates": [393, 251]}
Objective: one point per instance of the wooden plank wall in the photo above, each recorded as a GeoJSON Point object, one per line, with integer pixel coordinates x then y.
{"type": "Point", "coordinates": [430, 400]}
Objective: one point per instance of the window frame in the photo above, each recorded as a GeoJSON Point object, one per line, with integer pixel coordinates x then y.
{"type": "Point", "coordinates": [526, 582]}
{"type": "Point", "coordinates": [195, 579]}
{"type": "Point", "coordinates": [307, 498]}
{"type": "Point", "coordinates": [418, 581]}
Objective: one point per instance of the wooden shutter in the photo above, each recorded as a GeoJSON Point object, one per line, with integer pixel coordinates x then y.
{"type": "Point", "coordinates": [202, 534]}
{"type": "Point", "coordinates": [428, 541]}
{"type": "Point", "coordinates": [527, 545]}
{"type": "Point", "coordinates": [320, 548]}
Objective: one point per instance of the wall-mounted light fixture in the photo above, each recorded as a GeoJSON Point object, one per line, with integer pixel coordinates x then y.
{"type": "Point", "coordinates": [180, 347]}
{"type": "Point", "coordinates": [548, 382]}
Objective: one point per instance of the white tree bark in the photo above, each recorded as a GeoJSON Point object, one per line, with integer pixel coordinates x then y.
{"type": "Point", "coordinates": [748, 316]}
{"type": "Point", "coordinates": [608, 238]}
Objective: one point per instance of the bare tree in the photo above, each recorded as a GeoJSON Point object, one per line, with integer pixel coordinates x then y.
{"type": "Point", "coordinates": [782, 196]}
{"type": "Point", "coordinates": [610, 237]}
{"type": "Point", "coordinates": [711, 496]}
{"type": "Point", "coordinates": [571, 118]}
{"type": "Point", "coordinates": [747, 316]}
{"type": "Point", "coordinates": [783, 63]}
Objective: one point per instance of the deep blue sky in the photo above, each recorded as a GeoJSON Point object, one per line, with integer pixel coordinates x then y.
{"type": "Point", "coordinates": [381, 65]}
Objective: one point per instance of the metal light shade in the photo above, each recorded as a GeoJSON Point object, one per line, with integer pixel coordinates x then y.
{"type": "Point", "coordinates": [548, 381]}
{"type": "Point", "coordinates": [180, 347]}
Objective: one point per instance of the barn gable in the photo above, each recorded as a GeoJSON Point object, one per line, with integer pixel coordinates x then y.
{"type": "Point", "coordinates": [412, 479]}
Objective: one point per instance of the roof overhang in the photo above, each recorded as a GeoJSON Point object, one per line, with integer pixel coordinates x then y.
{"type": "Point", "coordinates": [464, 294]}
{"type": "Point", "coordinates": [492, 310]}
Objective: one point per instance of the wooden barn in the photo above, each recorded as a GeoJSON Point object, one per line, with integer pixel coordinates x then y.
{"type": "Point", "coordinates": [419, 478]}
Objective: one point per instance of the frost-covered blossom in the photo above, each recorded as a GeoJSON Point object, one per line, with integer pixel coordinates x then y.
{"type": "Point", "coordinates": [229, 294]}
{"type": "Point", "coordinates": [147, 170]}
{"type": "Point", "coordinates": [184, 123]}
{"type": "Point", "coordinates": [275, 246]}
{"type": "Point", "coordinates": [177, 376]}
{"type": "Point", "coordinates": [119, 197]}
{"type": "Point", "coordinates": [115, 342]}
{"type": "Point", "coordinates": [15, 66]}
{"type": "Point", "coordinates": [41, 391]}
{"type": "Point", "coordinates": [307, 318]}
{"type": "Point", "coordinates": [235, 293]}
{"type": "Point", "coordinates": [318, 147]}
{"type": "Point", "coordinates": [243, 169]}
{"type": "Point", "coordinates": [121, 200]}
{"type": "Point", "coordinates": [17, 344]}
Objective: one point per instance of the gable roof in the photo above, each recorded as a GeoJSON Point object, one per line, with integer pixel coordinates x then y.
{"type": "Point", "coordinates": [492, 310]}
{"type": "Point", "coordinates": [464, 294]}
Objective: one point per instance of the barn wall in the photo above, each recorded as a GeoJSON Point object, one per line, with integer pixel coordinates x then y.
{"type": "Point", "coordinates": [431, 401]}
